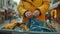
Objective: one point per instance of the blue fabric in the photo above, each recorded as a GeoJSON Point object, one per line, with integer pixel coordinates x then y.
{"type": "Point", "coordinates": [37, 25]}
{"type": "Point", "coordinates": [39, 28]}
{"type": "Point", "coordinates": [34, 21]}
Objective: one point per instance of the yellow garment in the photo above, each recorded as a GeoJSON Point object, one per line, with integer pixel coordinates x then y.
{"type": "Point", "coordinates": [54, 12]}
{"type": "Point", "coordinates": [10, 26]}
{"type": "Point", "coordinates": [43, 5]}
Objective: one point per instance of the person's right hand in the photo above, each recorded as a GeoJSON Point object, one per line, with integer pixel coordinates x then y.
{"type": "Point", "coordinates": [28, 14]}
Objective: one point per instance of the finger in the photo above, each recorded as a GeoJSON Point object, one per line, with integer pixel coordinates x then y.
{"type": "Point", "coordinates": [29, 16]}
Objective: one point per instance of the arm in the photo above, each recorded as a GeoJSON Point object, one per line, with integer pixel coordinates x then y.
{"type": "Point", "coordinates": [21, 10]}
{"type": "Point", "coordinates": [45, 6]}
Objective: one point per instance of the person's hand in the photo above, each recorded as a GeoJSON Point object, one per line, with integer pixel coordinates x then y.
{"type": "Point", "coordinates": [36, 13]}
{"type": "Point", "coordinates": [28, 14]}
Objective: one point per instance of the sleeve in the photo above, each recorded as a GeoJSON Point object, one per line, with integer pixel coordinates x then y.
{"type": "Point", "coordinates": [45, 6]}
{"type": "Point", "coordinates": [20, 8]}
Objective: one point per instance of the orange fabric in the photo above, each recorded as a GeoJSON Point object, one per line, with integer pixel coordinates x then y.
{"type": "Point", "coordinates": [43, 5]}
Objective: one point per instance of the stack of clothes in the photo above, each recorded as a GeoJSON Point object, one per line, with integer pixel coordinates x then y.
{"type": "Point", "coordinates": [31, 25]}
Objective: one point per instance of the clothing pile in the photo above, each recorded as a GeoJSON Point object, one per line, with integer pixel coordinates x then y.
{"type": "Point", "coordinates": [31, 25]}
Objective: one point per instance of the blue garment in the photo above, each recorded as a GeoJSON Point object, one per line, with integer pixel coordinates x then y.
{"type": "Point", "coordinates": [37, 25]}
{"type": "Point", "coordinates": [39, 28]}
{"type": "Point", "coordinates": [34, 21]}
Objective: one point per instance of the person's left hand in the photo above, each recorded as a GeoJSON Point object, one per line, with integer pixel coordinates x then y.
{"type": "Point", "coordinates": [36, 13]}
